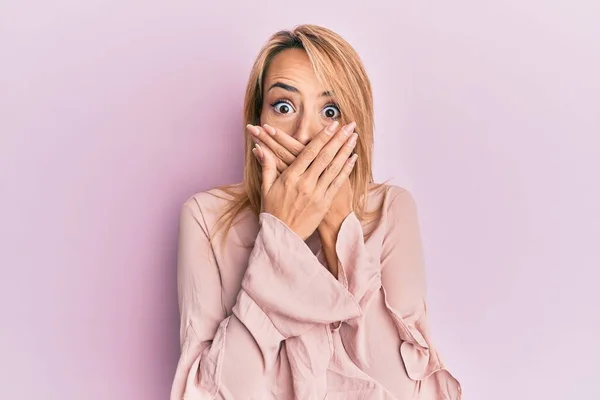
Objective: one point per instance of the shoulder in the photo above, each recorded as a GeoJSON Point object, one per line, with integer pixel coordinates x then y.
{"type": "Point", "coordinates": [392, 195]}
{"type": "Point", "coordinates": [207, 206]}
{"type": "Point", "coordinates": [398, 202]}
{"type": "Point", "coordinates": [400, 195]}
{"type": "Point", "coordinates": [402, 211]}
{"type": "Point", "coordinates": [214, 199]}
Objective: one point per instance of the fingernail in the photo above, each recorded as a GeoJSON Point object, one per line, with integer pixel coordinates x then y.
{"type": "Point", "coordinates": [348, 129]}
{"type": "Point", "coordinates": [353, 159]}
{"type": "Point", "coordinates": [270, 130]}
{"type": "Point", "coordinates": [258, 150]}
{"type": "Point", "coordinates": [253, 130]}
{"type": "Point", "coordinates": [352, 142]}
{"type": "Point", "coordinates": [330, 130]}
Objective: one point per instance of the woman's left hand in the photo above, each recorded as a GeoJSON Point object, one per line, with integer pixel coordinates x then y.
{"type": "Point", "coordinates": [285, 149]}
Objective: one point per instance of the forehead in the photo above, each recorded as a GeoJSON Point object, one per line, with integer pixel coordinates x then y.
{"type": "Point", "coordinates": [293, 66]}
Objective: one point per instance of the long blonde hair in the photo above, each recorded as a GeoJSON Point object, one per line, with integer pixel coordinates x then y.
{"type": "Point", "coordinates": [339, 68]}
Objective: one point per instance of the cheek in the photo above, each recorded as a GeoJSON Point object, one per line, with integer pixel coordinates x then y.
{"type": "Point", "coordinates": [267, 115]}
{"type": "Point", "coordinates": [263, 117]}
{"type": "Point", "coordinates": [286, 124]}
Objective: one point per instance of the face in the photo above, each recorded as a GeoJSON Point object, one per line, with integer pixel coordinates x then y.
{"type": "Point", "coordinates": [294, 100]}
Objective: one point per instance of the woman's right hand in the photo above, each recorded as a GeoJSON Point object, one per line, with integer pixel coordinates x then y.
{"type": "Point", "coordinates": [303, 193]}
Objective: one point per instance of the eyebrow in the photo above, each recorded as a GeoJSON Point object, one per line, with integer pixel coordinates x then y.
{"type": "Point", "coordinates": [292, 89]}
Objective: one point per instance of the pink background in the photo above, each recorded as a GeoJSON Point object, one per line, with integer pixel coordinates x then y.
{"type": "Point", "coordinates": [112, 114]}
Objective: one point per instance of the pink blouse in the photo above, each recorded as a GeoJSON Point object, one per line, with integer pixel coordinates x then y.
{"type": "Point", "coordinates": [261, 321]}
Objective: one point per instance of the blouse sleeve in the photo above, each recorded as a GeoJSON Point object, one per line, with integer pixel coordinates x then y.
{"type": "Point", "coordinates": [285, 292]}
{"type": "Point", "coordinates": [401, 272]}
{"type": "Point", "coordinates": [404, 284]}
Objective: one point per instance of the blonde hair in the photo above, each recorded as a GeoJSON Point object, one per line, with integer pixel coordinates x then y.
{"type": "Point", "coordinates": [339, 68]}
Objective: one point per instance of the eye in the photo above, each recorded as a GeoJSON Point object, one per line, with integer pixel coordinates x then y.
{"type": "Point", "coordinates": [331, 111]}
{"type": "Point", "coordinates": [283, 107]}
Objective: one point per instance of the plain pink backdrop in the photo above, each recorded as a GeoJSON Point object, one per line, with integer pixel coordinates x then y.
{"type": "Point", "coordinates": [112, 114]}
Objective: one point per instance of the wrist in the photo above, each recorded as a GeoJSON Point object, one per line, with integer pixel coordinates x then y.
{"type": "Point", "coordinates": [329, 233]}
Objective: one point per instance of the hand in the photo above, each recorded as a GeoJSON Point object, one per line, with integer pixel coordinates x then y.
{"type": "Point", "coordinates": [302, 195]}
{"type": "Point", "coordinates": [284, 148]}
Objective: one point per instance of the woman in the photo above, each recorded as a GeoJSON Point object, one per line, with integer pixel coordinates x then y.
{"type": "Point", "coordinates": [306, 281]}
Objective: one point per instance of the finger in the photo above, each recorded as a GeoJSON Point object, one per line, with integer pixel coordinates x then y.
{"type": "Point", "coordinates": [256, 153]}
{"type": "Point", "coordinates": [293, 146]}
{"type": "Point", "coordinates": [337, 164]}
{"type": "Point", "coordinates": [341, 178]}
{"type": "Point", "coordinates": [311, 151]}
{"type": "Point", "coordinates": [269, 169]}
{"type": "Point", "coordinates": [267, 139]}
{"type": "Point", "coordinates": [255, 133]}
{"type": "Point", "coordinates": [290, 144]}
{"type": "Point", "coordinates": [280, 165]}
{"type": "Point", "coordinates": [343, 142]}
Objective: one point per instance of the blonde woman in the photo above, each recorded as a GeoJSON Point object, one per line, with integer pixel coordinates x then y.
{"type": "Point", "coordinates": [306, 280]}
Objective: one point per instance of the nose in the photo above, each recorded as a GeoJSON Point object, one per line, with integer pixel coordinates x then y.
{"type": "Point", "coordinates": [307, 127]}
